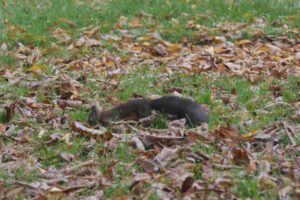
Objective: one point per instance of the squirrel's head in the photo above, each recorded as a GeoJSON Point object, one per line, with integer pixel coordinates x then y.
{"type": "Point", "coordinates": [94, 116]}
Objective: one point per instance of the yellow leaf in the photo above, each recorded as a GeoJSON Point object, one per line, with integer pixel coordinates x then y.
{"type": "Point", "coordinates": [111, 63]}
{"type": "Point", "coordinates": [174, 48]}
{"type": "Point", "coordinates": [193, 6]}
{"type": "Point", "coordinates": [252, 133]}
{"type": "Point", "coordinates": [220, 50]}
{"type": "Point", "coordinates": [146, 38]}
{"type": "Point", "coordinates": [262, 49]}
{"type": "Point", "coordinates": [136, 49]}
{"type": "Point", "coordinates": [245, 115]}
{"type": "Point", "coordinates": [243, 42]}
{"type": "Point", "coordinates": [276, 58]}
{"type": "Point", "coordinates": [37, 69]}
{"type": "Point", "coordinates": [248, 15]}
{"type": "Point", "coordinates": [291, 18]}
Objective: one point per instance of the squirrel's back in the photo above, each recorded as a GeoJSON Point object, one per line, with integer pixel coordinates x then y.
{"type": "Point", "coordinates": [180, 107]}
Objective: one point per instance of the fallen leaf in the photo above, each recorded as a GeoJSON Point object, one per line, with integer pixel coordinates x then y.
{"type": "Point", "coordinates": [243, 42]}
{"type": "Point", "coordinates": [233, 134]}
{"type": "Point", "coordinates": [2, 128]}
{"type": "Point", "coordinates": [187, 183]}
{"type": "Point", "coordinates": [67, 156]}
{"type": "Point", "coordinates": [266, 182]}
{"type": "Point", "coordinates": [37, 69]}
{"type": "Point", "coordinates": [149, 166]}
{"type": "Point", "coordinates": [78, 127]}
{"type": "Point", "coordinates": [240, 156]}
{"type": "Point", "coordinates": [165, 156]}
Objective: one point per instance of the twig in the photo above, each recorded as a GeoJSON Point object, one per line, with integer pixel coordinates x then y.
{"type": "Point", "coordinates": [133, 128]}
{"type": "Point", "coordinates": [289, 130]}
{"type": "Point", "coordinates": [272, 105]}
{"type": "Point", "coordinates": [124, 122]}
{"type": "Point", "coordinates": [226, 166]}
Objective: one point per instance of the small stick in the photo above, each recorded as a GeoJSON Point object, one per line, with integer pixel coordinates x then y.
{"type": "Point", "coordinates": [288, 130]}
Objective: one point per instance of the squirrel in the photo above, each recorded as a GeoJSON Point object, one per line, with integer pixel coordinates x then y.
{"type": "Point", "coordinates": [178, 107]}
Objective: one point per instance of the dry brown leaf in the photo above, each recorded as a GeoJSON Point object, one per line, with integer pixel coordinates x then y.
{"type": "Point", "coordinates": [2, 128]}
{"type": "Point", "coordinates": [159, 50]}
{"type": "Point", "coordinates": [78, 127]}
{"type": "Point", "coordinates": [69, 103]}
{"type": "Point", "coordinates": [240, 156]}
{"type": "Point", "coordinates": [187, 183]}
{"type": "Point", "coordinates": [285, 193]}
{"type": "Point", "coordinates": [224, 182]}
{"type": "Point", "coordinates": [178, 124]}
{"type": "Point", "coordinates": [67, 156]}
{"type": "Point", "coordinates": [233, 134]}
{"type": "Point", "coordinates": [252, 166]}
{"type": "Point", "coordinates": [89, 42]}
{"type": "Point", "coordinates": [62, 36]}
{"type": "Point", "coordinates": [297, 160]}
{"type": "Point", "coordinates": [266, 181]}
{"type": "Point", "coordinates": [9, 111]}
{"type": "Point", "coordinates": [64, 21]}
{"type": "Point", "coordinates": [138, 143]}
{"type": "Point", "coordinates": [165, 156]}
{"type": "Point", "coordinates": [149, 166]}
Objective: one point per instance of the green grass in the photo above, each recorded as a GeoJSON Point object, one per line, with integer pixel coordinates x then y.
{"type": "Point", "coordinates": [143, 81]}
{"type": "Point", "coordinates": [80, 114]}
{"type": "Point", "coordinates": [198, 175]}
{"type": "Point", "coordinates": [3, 117]}
{"type": "Point", "coordinates": [203, 12]}
{"type": "Point", "coordinates": [16, 91]}
{"type": "Point", "coordinates": [125, 156]}
{"type": "Point", "coordinates": [290, 89]}
{"type": "Point", "coordinates": [298, 140]}
{"type": "Point", "coordinates": [160, 122]}
{"type": "Point", "coordinates": [50, 154]}
{"type": "Point", "coordinates": [31, 22]}
{"type": "Point", "coordinates": [117, 190]}
{"type": "Point", "coordinates": [210, 150]}
{"type": "Point", "coordinates": [122, 153]}
{"type": "Point", "coordinates": [248, 188]}
{"type": "Point", "coordinates": [25, 175]}
{"type": "Point", "coordinates": [6, 59]}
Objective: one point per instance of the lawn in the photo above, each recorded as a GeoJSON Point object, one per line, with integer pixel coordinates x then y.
{"type": "Point", "coordinates": [239, 58]}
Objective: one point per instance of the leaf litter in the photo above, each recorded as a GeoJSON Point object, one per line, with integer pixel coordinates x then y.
{"type": "Point", "coordinates": [173, 163]}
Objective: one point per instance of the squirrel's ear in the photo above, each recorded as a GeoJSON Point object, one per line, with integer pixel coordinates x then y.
{"type": "Point", "coordinates": [96, 105]}
{"type": "Point", "coordinates": [97, 109]}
